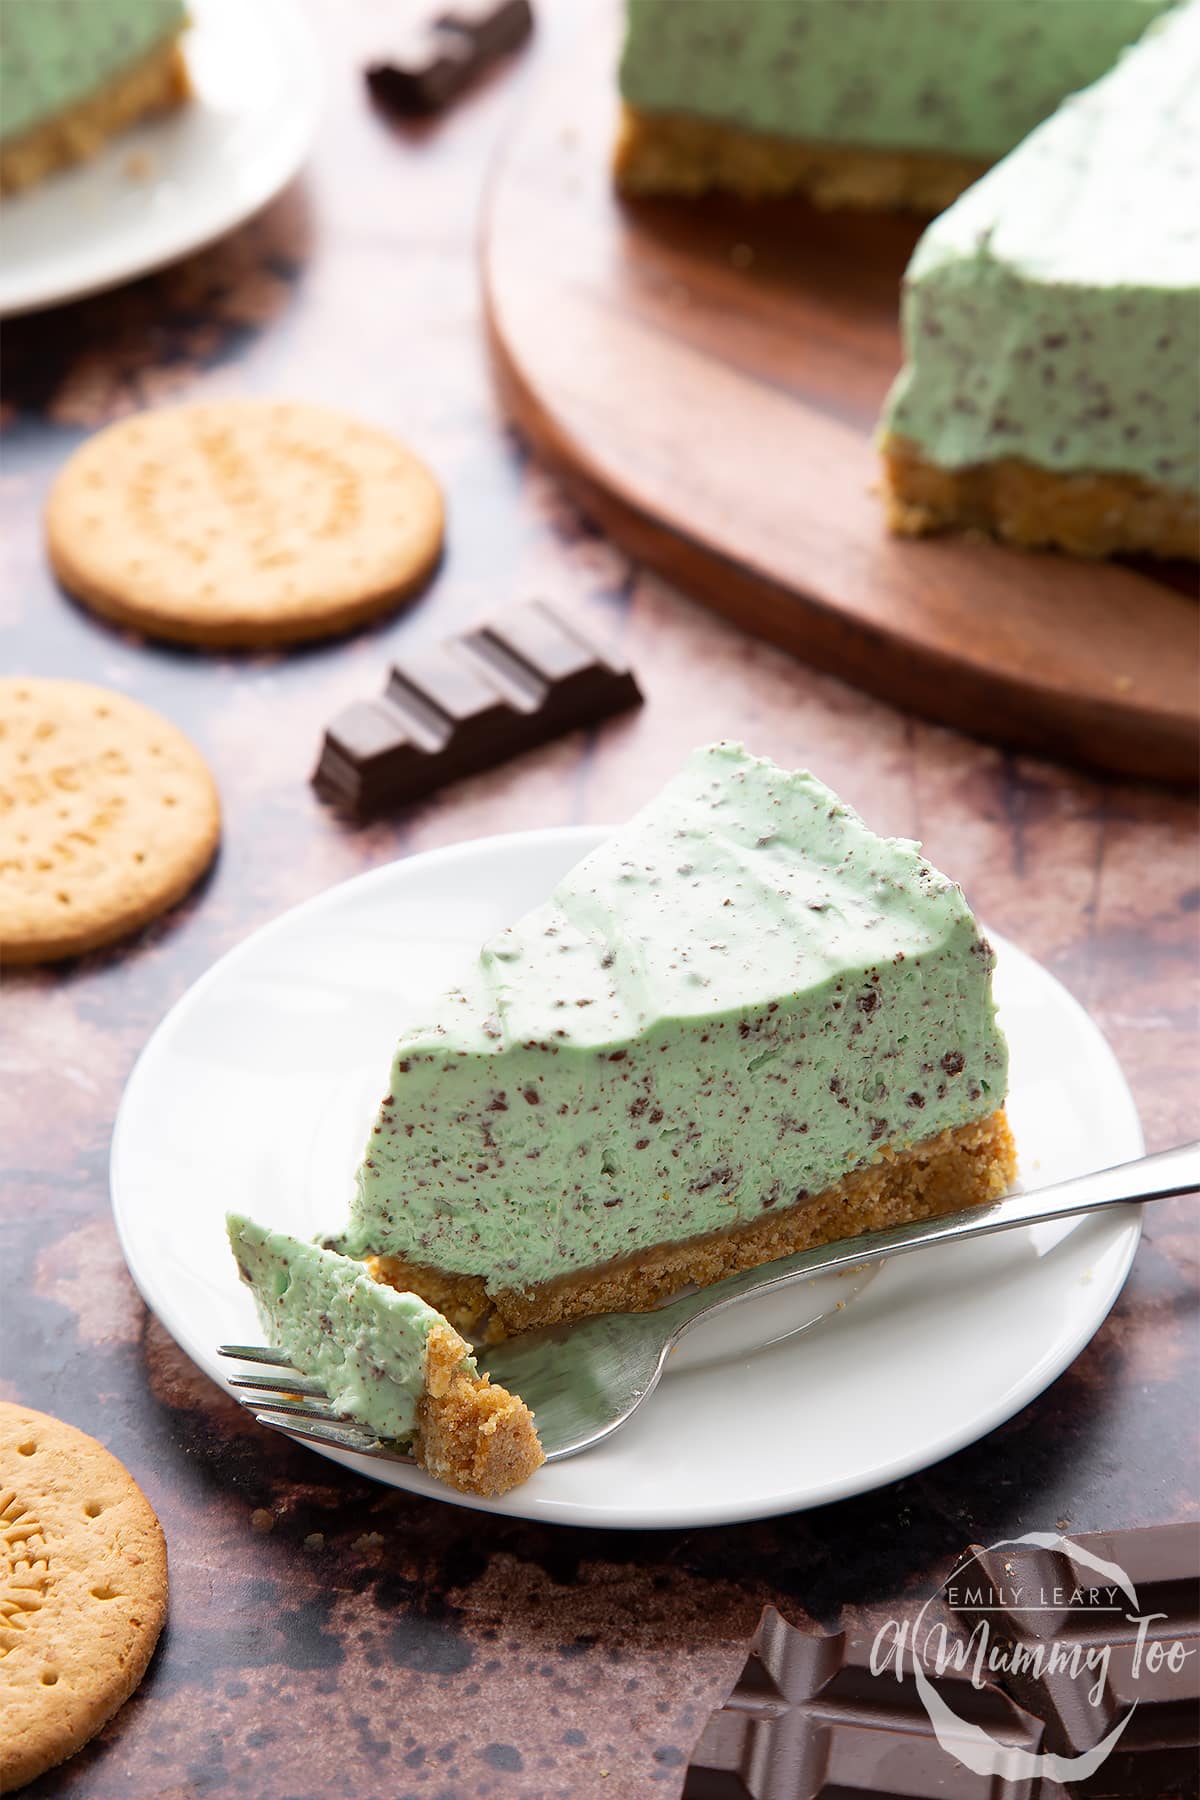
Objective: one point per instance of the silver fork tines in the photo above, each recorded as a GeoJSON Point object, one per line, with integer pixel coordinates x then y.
{"type": "Point", "coordinates": [341, 1436]}
{"type": "Point", "coordinates": [254, 1353]}
{"type": "Point", "coordinates": [297, 1405]}
{"type": "Point", "coordinates": [292, 1409]}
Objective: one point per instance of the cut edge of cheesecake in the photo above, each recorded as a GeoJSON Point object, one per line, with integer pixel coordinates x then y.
{"type": "Point", "coordinates": [156, 83]}
{"type": "Point", "coordinates": [683, 154]}
{"type": "Point", "coordinates": [968, 1165]}
{"type": "Point", "coordinates": [1093, 513]}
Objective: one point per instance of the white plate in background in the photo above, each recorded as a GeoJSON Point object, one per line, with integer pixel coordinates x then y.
{"type": "Point", "coordinates": [200, 171]}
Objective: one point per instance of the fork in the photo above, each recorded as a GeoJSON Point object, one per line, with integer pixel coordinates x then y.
{"type": "Point", "coordinates": [583, 1381]}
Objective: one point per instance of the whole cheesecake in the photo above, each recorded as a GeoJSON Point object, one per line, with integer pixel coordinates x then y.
{"type": "Point", "coordinates": [1051, 386]}
{"type": "Point", "coordinates": [854, 102]}
{"type": "Point", "coordinates": [742, 1026]}
{"type": "Point", "coordinates": [74, 72]}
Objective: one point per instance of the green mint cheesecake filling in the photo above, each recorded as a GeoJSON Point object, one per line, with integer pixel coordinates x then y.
{"type": "Point", "coordinates": [54, 54]}
{"type": "Point", "coordinates": [362, 1340]}
{"type": "Point", "coordinates": [737, 999]}
{"type": "Point", "coordinates": [1052, 314]}
{"type": "Point", "coordinates": [966, 78]}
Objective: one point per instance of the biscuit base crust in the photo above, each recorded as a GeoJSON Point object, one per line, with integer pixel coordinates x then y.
{"type": "Point", "coordinates": [157, 83]}
{"type": "Point", "coordinates": [479, 1438]}
{"type": "Point", "coordinates": [1088, 513]}
{"type": "Point", "coordinates": [966, 1166]}
{"type": "Point", "coordinates": [677, 153]}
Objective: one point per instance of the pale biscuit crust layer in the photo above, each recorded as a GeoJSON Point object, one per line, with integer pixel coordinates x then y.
{"type": "Point", "coordinates": [478, 1438]}
{"type": "Point", "coordinates": [83, 1590]}
{"type": "Point", "coordinates": [1087, 514]}
{"type": "Point", "coordinates": [967, 1166]}
{"type": "Point", "coordinates": [157, 84]}
{"type": "Point", "coordinates": [243, 522]}
{"type": "Point", "coordinates": [108, 815]}
{"type": "Point", "coordinates": [675, 153]}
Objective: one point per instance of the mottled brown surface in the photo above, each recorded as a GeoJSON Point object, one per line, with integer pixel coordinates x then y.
{"type": "Point", "coordinates": [373, 1645]}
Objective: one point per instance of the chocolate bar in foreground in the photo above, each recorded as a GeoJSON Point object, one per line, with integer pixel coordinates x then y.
{"type": "Point", "coordinates": [437, 60]}
{"type": "Point", "coordinates": [807, 1720]}
{"type": "Point", "coordinates": [461, 707]}
{"type": "Point", "coordinates": [1034, 1600]}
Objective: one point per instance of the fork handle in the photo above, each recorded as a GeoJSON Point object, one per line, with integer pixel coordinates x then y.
{"type": "Point", "coordinates": [1157, 1177]}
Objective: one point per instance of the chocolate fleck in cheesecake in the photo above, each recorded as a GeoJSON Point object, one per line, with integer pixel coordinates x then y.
{"type": "Point", "coordinates": [1050, 393]}
{"type": "Point", "coordinates": [386, 1359]}
{"type": "Point", "coordinates": [742, 1026]}
{"type": "Point", "coordinates": [853, 102]}
{"type": "Point", "coordinates": [75, 72]}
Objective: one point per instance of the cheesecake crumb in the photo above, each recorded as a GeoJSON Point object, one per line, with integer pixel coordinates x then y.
{"type": "Point", "coordinates": [479, 1438]}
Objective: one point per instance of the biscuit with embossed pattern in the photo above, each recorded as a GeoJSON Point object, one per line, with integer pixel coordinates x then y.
{"type": "Point", "coordinates": [108, 815]}
{"type": "Point", "coordinates": [243, 522]}
{"type": "Point", "coordinates": [83, 1590]}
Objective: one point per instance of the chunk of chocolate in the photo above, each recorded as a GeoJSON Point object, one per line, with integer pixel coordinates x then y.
{"type": "Point", "coordinates": [460, 707]}
{"type": "Point", "coordinates": [440, 58]}
{"type": "Point", "coordinates": [1074, 1653]}
{"type": "Point", "coordinates": [808, 1720]}
{"type": "Point", "coordinates": [1049, 1649]}
{"type": "Point", "coordinates": [495, 27]}
{"type": "Point", "coordinates": [430, 68]}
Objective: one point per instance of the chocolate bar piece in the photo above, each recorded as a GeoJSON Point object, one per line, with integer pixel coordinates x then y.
{"type": "Point", "coordinates": [442, 57]}
{"type": "Point", "coordinates": [458, 708]}
{"type": "Point", "coordinates": [808, 1720]}
{"type": "Point", "coordinates": [1072, 1651]}
{"type": "Point", "coordinates": [495, 27]}
{"type": "Point", "coordinates": [429, 69]}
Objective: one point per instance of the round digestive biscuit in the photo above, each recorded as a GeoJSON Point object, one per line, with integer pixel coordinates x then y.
{"type": "Point", "coordinates": [108, 815]}
{"type": "Point", "coordinates": [243, 522]}
{"type": "Point", "coordinates": [83, 1590]}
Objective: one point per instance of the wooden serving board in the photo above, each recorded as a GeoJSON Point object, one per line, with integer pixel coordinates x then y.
{"type": "Point", "coordinates": [706, 377]}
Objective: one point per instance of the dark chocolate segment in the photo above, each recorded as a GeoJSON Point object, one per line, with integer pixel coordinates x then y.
{"type": "Point", "coordinates": [440, 58]}
{"type": "Point", "coordinates": [429, 68]}
{"type": "Point", "coordinates": [494, 27]}
{"type": "Point", "coordinates": [460, 707]}
{"type": "Point", "coordinates": [1077, 1633]}
{"type": "Point", "coordinates": [808, 1720]}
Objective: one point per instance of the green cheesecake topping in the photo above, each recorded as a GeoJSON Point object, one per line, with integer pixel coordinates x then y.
{"type": "Point", "coordinates": [54, 53]}
{"type": "Point", "coordinates": [962, 77]}
{"type": "Point", "coordinates": [361, 1339]}
{"type": "Point", "coordinates": [1052, 314]}
{"type": "Point", "coordinates": [741, 996]}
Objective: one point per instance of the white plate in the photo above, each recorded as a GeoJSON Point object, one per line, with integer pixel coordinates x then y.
{"type": "Point", "coordinates": [203, 169]}
{"type": "Point", "coordinates": [256, 1091]}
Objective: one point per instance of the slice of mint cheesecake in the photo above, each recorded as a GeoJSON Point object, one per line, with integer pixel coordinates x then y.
{"type": "Point", "coordinates": [1050, 392]}
{"type": "Point", "coordinates": [742, 1026]}
{"type": "Point", "coordinates": [386, 1359]}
